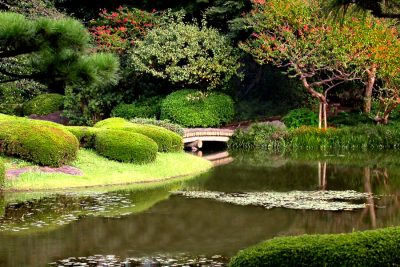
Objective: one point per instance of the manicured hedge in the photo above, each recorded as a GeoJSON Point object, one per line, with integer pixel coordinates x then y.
{"type": "Point", "coordinates": [125, 146]}
{"type": "Point", "coordinates": [191, 108]}
{"type": "Point", "coordinates": [85, 135]}
{"type": "Point", "coordinates": [369, 248]}
{"type": "Point", "coordinates": [44, 104]}
{"type": "Point", "coordinates": [176, 128]}
{"type": "Point", "coordinates": [166, 140]}
{"type": "Point", "coordinates": [147, 108]}
{"type": "Point", "coordinates": [37, 142]}
{"type": "Point", "coordinates": [2, 175]}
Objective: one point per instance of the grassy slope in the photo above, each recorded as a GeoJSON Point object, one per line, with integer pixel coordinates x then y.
{"type": "Point", "coordinates": [99, 171]}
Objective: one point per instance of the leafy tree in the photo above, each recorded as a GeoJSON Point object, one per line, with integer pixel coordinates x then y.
{"type": "Point", "coordinates": [117, 31]}
{"type": "Point", "coordinates": [293, 35]}
{"type": "Point", "coordinates": [52, 52]}
{"type": "Point", "coordinates": [187, 55]}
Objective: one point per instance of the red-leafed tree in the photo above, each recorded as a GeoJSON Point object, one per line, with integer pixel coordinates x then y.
{"type": "Point", "coordinates": [320, 52]}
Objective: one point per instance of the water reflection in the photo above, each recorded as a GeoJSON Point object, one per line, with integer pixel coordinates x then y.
{"type": "Point", "coordinates": [136, 223]}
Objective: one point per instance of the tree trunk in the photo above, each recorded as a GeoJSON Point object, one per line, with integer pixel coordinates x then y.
{"type": "Point", "coordinates": [368, 89]}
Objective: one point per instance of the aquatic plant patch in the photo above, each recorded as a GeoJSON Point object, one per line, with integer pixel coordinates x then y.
{"type": "Point", "coordinates": [303, 200]}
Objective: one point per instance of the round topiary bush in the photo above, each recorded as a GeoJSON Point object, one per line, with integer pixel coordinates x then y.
{"type": "Point", "coordinates": [166, 140]}
{"type": "Point", "coordinates": [125, 146]}
{"type": "Point", "coordinates": [44, 104]}
{"type": "Point", "coordinates": [85, 135]}
{"type": "Point", "coordinates": [38, 143]}
{"type": "Point", "coordinates": [147, 108]}
{"type": "Point", "coordinates": [191, 108]}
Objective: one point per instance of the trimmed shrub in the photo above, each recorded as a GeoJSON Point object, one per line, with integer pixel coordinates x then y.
{"type": "Point", "coordinates": [191, 108]}
{"type": "Point", "coordinates": [369, 248]}
{"type": "Point", "coordinates": [167, 124]}
{"type": "Point", "coordinates": [166, 140]}
{"type": "Point", "coordinates": [125, 146]}
{"type": "Point", "coordinates": [85, 135]}
{"type": "Point", "coordinates": [44, 104]}
{"type": "Point", "coordinates": [259, 135]}
{"type": "Point", "coordinates": [299, 117]}
{"type": "Point", "coordinates": [147, 108]}
{"type": "Point", "coordinates": [2, 175]}
{"type": "Point", "coordinates": [38, 143]}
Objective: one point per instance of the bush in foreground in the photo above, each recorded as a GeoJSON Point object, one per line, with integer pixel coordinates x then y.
{"type": "Point", "coordinates": [166, 140]}
{"type": "Point", "coordinates": [125, 146]}
{"type": "Point", "coordinates": [38, 143]}
{"type": "Point", "coordinates": [191, 108]}
{"type": "Point", "coordinates": [44, 104]}
{"type": "Point", "coordinates": [369, 248]}
{"type": "Point", "coordinates": [85, 135]}
{"type": "Point", "coordinates": [299, 117]}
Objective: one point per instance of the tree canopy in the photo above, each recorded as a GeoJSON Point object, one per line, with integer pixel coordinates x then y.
{"type": "Point", "coordinates": [54, 52]}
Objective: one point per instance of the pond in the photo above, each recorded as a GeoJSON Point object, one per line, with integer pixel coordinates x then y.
{"type": "Point", "coordinates": [131, 226]}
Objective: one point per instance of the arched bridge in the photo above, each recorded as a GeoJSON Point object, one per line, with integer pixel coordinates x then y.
{"type": "Point", "coordinates": [195, 137]}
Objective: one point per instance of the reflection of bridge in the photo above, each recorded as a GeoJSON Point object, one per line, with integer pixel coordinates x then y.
{"type": "Point", "coordinates": [196, 136]}
{"type": "Point", "coordinates": [219, 158]}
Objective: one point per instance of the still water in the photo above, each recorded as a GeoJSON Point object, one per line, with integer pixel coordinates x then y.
{"type": "Point", "coordinates": [126, 222]}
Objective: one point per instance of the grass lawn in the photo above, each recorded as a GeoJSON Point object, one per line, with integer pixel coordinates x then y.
{"type": "Point", "coordinates": [99, 171]}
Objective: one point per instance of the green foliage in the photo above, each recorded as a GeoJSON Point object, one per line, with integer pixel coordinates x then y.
{"type": "Point", "coordinates": [191, 108]}
{"type": "Point", "coordinates": [37, 142]}
{"type": "Point", "coordinates": [369, 248]}
{"type": "Point", "coordinates": [13, 95]}
{"type": "Point", "coordinates": [259, 136]}
{"type": "Point", "coordinates": [299, 117]}
{"type": "Point", "coordinates": [206, 59]}
{"type": "Point", "coordinates": [52, 52]}
{"type": "Point", "coordinates": [85, 135]}
{"type": "Point", "coordinates": [361, 137]}
{"type": "Point", "coordinates": [147, 108]}
{"type": "Point", "coordinates": [166, 140]}
{"type": "Point", "coordinates": [2, 175]}
{"type": "Point", "coordinates": [350, 119]}
{"type": "Point", "coordinates": [44, 104]}
{"type": "Point", "coordinates": [176, 128]}
{"type": "Point", "coordinates": [118, 31]}
{"type": "Point", "coordinates": [126, 146]}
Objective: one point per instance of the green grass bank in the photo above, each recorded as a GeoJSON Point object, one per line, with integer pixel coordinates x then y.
{"type": "Point", "coordinates": [100, 171]}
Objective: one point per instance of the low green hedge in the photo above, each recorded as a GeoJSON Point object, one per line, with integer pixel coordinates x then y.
{"type": "Point", "coordinates": [37, 142]}
{"type": "Point", "coordinates": [176, 128]}
{"type": "Point", "coordinates": [166, 140]}
{"type": "Point", "coordinates": [2, 175]}
{"type": "Point", "coordinates": [191, 108]}
{"type": "Point", "coordinates": [44, 104]}
{"type": "Point", "coordinates": [147, 108]}
{"type": "Point", "coordinates": [369, 248]}
{"type": "Point", "coordinates": [85, 135]}
{"type": "Point", "coordinates": [125, 146]}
